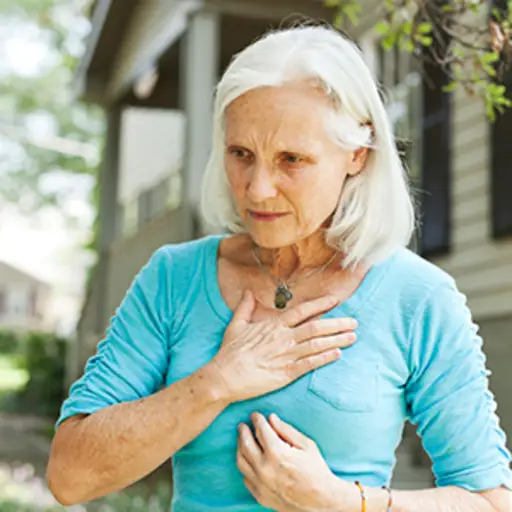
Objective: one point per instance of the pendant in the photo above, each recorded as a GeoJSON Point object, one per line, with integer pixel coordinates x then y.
{"type": "Point", "coordinates": [282, 297]}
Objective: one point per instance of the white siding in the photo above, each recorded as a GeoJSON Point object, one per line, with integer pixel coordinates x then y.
{"type": "Point", "coordinates": [152, 149]}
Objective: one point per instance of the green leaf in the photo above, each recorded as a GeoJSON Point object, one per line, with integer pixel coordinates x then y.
{"type": "Point", "coordinates": [448, 8]}
{"type": "Point", "coordinates": [424, 28]}
{"type": "Point", "coordinates": [451, 87]}
{"type": "Point", "coordinates": [489, 69]}
{"type": "Point", "coordinates": [382, 28]}
{"type": "Point", "coordinates": [490, 112]}
{"type": "Point", "coordinates": [405, 43]}
{"type": "Point", "coordinates": [352, 12]}
{"type": "Point", "coordinates": [388, 41]}
{"type": "Point", "coordinates": [407, 27]}
{"type": "Point", "coordinates": [503, 101]}
{"type": "Point", "coordinates": [424, 40]}
{"type": "Point", "coordinates": [490, 57]}
{"type": "Point", "coordinates": [332, 3]}
{"type": "Point", "coordinates": [338, 20]}
{"type": "Point", "coordinates": [473, 6]}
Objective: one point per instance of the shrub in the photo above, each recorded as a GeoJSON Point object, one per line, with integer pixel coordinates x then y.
{"type": "Point", "coordinates": [9, 341]}
{"type": "Point", "coordinates": [45, 356]}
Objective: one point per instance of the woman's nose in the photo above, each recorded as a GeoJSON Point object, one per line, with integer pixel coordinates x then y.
{"type": "Point", "coordinates": [261, 185]}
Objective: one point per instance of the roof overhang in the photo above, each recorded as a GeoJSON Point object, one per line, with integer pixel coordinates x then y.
{"type": "Point", "coordinates": [130, 37]}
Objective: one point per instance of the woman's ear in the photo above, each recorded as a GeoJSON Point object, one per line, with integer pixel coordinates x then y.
{"type": "Point", "coordinates": [358, 160]}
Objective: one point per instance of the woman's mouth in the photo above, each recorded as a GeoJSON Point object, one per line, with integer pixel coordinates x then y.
{"type": "Point", "coordinates": [266, 216]}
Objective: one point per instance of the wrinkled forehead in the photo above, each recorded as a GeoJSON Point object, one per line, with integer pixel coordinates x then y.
{"type": "Point", "coordinates": [290, 114]}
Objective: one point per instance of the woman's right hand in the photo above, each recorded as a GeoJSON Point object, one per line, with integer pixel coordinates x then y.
{"type": "Point", "coordinates": [260, 357]}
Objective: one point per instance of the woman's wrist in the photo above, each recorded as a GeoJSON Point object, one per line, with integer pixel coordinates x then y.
{"type": "Point", "coordinates": [213, 384]}
{"type": "Point", "coordinates": [347, 497]}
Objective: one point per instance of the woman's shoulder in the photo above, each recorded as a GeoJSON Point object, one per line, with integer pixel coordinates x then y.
{"type": "Point", "coordinates": [187, 252]}
{"type": "Point", "coordinates": [416, 274]}
{"type": "Point", "coordinates": [411, 283]}
{"type": "Point", "coordinates": [178, 262]}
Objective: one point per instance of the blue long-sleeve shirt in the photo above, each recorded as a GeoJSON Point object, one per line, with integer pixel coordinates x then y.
{"type": "Point", "coordinates": [418, 356]}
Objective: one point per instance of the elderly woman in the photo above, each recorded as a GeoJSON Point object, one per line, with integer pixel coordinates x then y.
{"type": "Point", "coordinates": [236, 355]}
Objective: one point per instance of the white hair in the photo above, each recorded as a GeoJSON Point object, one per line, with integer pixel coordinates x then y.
{"type": "Point", "coordinates": [375, 215]}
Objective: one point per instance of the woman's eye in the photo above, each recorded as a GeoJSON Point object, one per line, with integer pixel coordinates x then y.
{"type": "Point", "coordinates": [291, 158]}
{"type": "Point", "coordinates": [238, 153]}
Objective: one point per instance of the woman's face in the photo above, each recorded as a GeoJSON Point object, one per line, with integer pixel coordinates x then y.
{"type": "Point", "coordinates": [285, 172]}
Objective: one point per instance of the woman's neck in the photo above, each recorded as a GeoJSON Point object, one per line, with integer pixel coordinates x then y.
{"type": "Point", "coordinates": [295, 259]}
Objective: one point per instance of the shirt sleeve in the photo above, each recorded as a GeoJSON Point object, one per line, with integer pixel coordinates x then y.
{"type": "Point", "coordinates": [132, 360]}
{"type": "Point", "coordinates": [449, 398]}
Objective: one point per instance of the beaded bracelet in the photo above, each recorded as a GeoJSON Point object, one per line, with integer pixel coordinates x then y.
{"type": "Point", "coordinates": [363, 496]}
{"type": "Point", "coordinates": [390, 498]}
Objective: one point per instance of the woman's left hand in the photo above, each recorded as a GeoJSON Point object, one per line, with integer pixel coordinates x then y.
{"type": "Point", "coordinates": [284, 469]}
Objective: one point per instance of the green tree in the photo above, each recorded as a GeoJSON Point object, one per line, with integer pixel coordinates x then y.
{"type": "Point", "coordinates": [44, 132]}
{"type": "Point", "coordinates": [468, 39]}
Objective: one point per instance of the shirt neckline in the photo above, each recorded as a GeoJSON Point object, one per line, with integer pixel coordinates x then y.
{"type": "Point", "coordinates": [350, 307]}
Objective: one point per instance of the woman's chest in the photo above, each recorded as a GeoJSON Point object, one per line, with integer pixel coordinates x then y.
{"type": "Point", "coordinates": [352, 403]}
{"type": "Point", "coordinates": [233, 279]}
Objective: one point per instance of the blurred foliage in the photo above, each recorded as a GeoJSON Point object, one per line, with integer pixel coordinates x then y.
{"type": "Point", "coordinates": [136, 499]}
{"type": "Point", "coordinates": [16, 506]}
{"type": "Point", "coordinates": [72, 132]}
{"type": "Point", "coordinates": [467, 39]}
{"type": "Point", "coordinates": [43, 357]}
{"type": "Point", "coordinates": [9, 342]}
{"type": "Point", "coordinates": [45, 362]}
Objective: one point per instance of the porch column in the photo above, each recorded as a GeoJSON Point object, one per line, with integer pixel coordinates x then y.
{"type": "Point", "coordinates": [199, 72]}
{"type": "Point", "coordinates": [108, 178]}
{"type": "Point", "coordinates": [108, 210]}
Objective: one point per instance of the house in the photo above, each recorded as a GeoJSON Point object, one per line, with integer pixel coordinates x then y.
{"type": "Point", "coordinates": [153, 65]}
{"type": "Point", "coordinates": [24, 301]}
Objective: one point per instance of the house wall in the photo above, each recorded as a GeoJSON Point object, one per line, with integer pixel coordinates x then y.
{"type": "Point", "coordinates": [19, 291]}
{"type": "Point", "coordinates": [497, 335]}
{"type": "Point", "coordinates": [481, 266]}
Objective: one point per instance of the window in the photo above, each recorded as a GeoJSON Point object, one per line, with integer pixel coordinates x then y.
{"type": "Point", "coordinates": [144, 207]}
{"type": "Point", "coordinates": [129, 217]}
{"type": "Point", "coordinates": [435, 236]}
{"type": "Point", "coordinates": [18, 302]}
{"type": "Point", "coordinates": [174, 191]}
{"type": "Point", "coordinates": [420, 114]}
{"type": "Point", "coordinates": [32, 302]}
{"type": "Point", "coordinates": [501, 155]}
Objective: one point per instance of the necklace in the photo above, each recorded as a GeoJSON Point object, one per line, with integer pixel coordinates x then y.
{"type": "Point", "coordinates": [283, 295]}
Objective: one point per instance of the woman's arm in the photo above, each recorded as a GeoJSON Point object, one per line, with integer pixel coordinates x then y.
{"type": "Point", "coordinates": [117, 426]}
{"type": "Point", "coordinates": [285, 471]}
{"type": "Point", "coordinates": [442, 499]}
{"type": "Point", "coordinates": [109, 450]}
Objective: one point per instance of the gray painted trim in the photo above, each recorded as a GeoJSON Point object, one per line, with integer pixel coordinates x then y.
{"type": "Point", "coordinates": [98, 21]}
{"type": "Point", "coordinates": [271, 10]}
{"type": "Point", "coordinates": [161, 42]}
